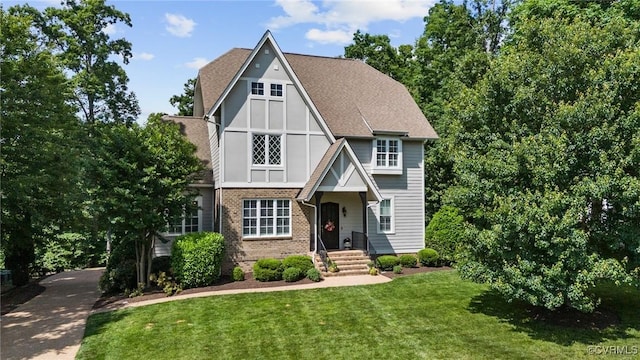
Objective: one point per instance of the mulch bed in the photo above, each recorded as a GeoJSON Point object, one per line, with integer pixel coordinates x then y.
{"type": "Point", "coordinates": [225, 283]}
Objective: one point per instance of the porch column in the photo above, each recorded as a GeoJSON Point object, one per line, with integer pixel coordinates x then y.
{"type": "Point", "coordinates": [318, 196]}
{"type": "Point", "coordinates": [363, 199]}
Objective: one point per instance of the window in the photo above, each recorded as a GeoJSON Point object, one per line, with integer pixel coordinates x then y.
{"type": "Point", "coordinates": [387, 156]}
{"type": "Point", "coordinates": [257, 88]}
{"type": "Point", "coordinates": [190, 222]}
{"type": "Point", "coordinates": [267, 149]}
{"type": "Point", "coordinates": [276, 89]}
{"type": "Point", "coordinates": [385, 216]}
{"type": "Point", "coordinates": [261, 218]}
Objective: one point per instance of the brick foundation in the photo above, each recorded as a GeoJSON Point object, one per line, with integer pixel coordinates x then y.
{"type": "Point", "coordinates": [244, 252]}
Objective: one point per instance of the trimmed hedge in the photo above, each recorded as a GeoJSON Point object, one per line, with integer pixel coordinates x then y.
{"type": "Point", "coordinates": [387, 262]}
{"type": "Point", "coordinates": [408, 261]}
{"type": "Point", "coordinates": [302, 262]}
{"type": "Point", "coordinates": [428, 257]}
{"type": "Point", "coordinates": [314, 275]}
{"type": "Point", "coordinates": [238, 274]}
{"type": "Point", "coordinates": [292, 274]}
{"type": "Point", "coordinates": [196, 258]}
{"type": "Point", "coordinates": [268, 269]}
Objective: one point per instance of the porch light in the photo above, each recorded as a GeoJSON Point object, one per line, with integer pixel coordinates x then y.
{"type": "Point", "coordinates": [344, 211]}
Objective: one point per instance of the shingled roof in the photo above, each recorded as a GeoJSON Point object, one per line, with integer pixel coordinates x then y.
{"type": "Point", "coordinates": [195, 129]}
{"type": "Point", "coordinates": [353, 98]}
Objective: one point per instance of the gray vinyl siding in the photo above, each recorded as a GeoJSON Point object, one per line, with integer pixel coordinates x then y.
{"type": "Point", "coordinates": [164, 249]}
{"type": "Point", "coordinates": [408, 199]}
{"type": "Point", "coordinates": [214, 145]}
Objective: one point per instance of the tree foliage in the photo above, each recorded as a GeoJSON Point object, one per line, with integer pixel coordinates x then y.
{"type": "Point", "coordinates": [546, 154]}
{"type": "Point", "coordinates": [141, 177]}
{"type": "Point", "coordinates": [78, 32]}
{"type": "Point", "coordinates": [184, 102]}
{"type": "Point", "coordinates": [40, 142]}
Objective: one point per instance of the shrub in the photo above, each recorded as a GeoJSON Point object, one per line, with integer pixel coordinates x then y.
{"type": "Point", "coordinates": [373, 271]}
{"type": "Point", "coordinates": [161, 264]}
{"type": "Point", "coordinates": [387, 262]}
{"type": "Point", "coordinates": [302, 262]}
{"type": "Point", "coordinates": [408, 261]}
{"type": "Point", "coordinates": [397, 269]}
{"type": "Point", "coordinates": [292, 274]}
{"type": "Point", "coordinates": [313, 274]}
{"type": "Point", "coordinates": [118, 277]}
{"type": "Point", "coordinates": [445, 233]}
{"type": "Point", "coordinates": [268, 269]}
{"type": "Point", "coordinates": [238, 274]}
{"type": "Point", "coordinates": [428, 257]}
{"type": "Point", "coordinates": [196, 258]}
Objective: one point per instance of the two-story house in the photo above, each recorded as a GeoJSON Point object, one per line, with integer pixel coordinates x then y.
{"type": "Point", "coordinates": [306, 152]}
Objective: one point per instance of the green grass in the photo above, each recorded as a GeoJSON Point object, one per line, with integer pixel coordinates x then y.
{"type": "Point", "coordinates": [425, 316]}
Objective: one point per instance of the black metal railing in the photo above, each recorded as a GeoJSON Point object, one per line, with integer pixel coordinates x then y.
{"type": "Point", "coordinates": [322, 251]}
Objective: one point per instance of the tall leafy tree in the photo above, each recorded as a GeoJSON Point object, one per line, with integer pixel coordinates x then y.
{"type": "Point", "coordinates": [39, 161]}
{"type": "Point", "coordinates": [454, 52]}
{"type": "Point", "coordinates": [142, 176]}
{"type": "Point", "coordinates": [78, 31]}
{"type": "Point", "coordinates": [546, 155]}
{"type": "Point", "coordinates": [184, 102]}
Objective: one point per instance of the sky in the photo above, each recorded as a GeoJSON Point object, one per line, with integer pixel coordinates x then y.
{"type": "Point", "coordinates": [171, 40]}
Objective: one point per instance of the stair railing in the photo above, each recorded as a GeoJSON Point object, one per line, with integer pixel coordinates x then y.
{"type": "Point", "coordinates": [322, 251]}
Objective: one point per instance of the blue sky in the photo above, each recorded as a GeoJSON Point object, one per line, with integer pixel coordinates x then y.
{"type": "Point", "coordinates": [172, 39]}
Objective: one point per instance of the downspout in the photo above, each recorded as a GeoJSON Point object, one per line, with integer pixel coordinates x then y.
{"type": "Point", "coordinates": [315, 227]}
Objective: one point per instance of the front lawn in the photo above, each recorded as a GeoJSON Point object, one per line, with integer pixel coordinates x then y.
{"type": "Point", "coordinates": [425, 316]}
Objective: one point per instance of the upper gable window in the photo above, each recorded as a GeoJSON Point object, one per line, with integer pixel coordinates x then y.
{"type": "Point", "coordinates": [267, 149]}
{"type": "Point", "coordinates": [387, 156]}
{"type": "Point", "coordinates": [276, 89]}
{"type": "Point", "coordinates": [257, 88]}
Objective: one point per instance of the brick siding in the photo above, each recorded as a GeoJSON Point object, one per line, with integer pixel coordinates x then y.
{"type": "Point", "coordinates": [244, 252]}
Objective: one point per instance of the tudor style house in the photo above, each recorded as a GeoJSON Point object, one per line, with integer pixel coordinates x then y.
{"type": "Point", "coordinates": [305, 153]}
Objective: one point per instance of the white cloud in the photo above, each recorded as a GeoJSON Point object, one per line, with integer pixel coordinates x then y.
{"type": "Point", "coordinates": [179, 25]}
{"type": "Point", "coordinates": [197, 63]}
{"type": "Point", "coordinates": [143, 56]}
{"type": "Point", "coordinates": [110, 29]}
{"type": "Point", "coordinates": [329, 36]}
{"type": "Point", "coordinates": [340, 17]}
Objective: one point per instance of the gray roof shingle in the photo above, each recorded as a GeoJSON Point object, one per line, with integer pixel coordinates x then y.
{"type": "Point", "coordinates": [351, 96]}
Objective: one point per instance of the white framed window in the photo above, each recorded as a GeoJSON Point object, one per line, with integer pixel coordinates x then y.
{"type": "Point", "coordinates": [257, 88]}
{"type": "Point", "coordinates": [386, 221]}
{"type": "Point", "coordinates": [190, 222]}
{"type": "Point", "coordinates": [267, 149]}
{"type": "Point", "coordinates": [387, 156]}
{"type": "Point", "coordinates": [276, 90]}
{"type": "Point", "coordinates": [266, 217]}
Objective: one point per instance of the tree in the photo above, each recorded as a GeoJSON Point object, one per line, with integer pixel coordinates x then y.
{"type": "Point", "coordinates": [184, 102]}
{"type": "Point", "coordinates": [40, 157]}
{"type": "Point", "coordinates": [77, 30]}
{"type": "Point", "coordinates": [454, 52]}
{"type": "Point", "coordinates": [547, 155]}
{"type": "Point", "coordinates": [141, 178]}
{"type": "Point", "coordinates": [377, 51]}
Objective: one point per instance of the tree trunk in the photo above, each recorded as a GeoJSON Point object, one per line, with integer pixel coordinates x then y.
{"type": "Point", "coordinates": [149, 258]}
{"type": "Point", "coordinates": [20, 252]}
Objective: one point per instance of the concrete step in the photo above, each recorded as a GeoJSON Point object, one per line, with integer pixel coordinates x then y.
{"type": "Point", "coordinates": [345, 273]}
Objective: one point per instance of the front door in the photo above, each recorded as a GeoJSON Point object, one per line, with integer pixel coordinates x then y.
{"type": "Point", "coordinates": [330, 222]}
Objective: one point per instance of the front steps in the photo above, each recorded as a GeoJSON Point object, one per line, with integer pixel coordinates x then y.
{"type": "Point", "coordinates": [350, 262]}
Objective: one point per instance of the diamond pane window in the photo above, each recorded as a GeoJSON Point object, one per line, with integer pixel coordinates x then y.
{"type": "Point", "coordinates": [267, 149]}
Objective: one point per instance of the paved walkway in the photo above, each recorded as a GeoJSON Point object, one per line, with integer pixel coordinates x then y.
{"type": "Point", "coordinates": [51, 325]}
{"type": "Point", "coordinates": [336, 281]}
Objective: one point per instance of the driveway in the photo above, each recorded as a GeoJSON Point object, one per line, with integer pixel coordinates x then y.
{"type": "Point", "coordinates": [51, 325]}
